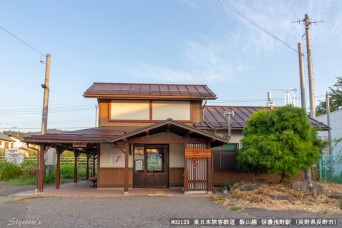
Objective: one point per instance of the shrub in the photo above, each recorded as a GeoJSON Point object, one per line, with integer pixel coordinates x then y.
{"type": "Point", "coordinates": [9, 171]}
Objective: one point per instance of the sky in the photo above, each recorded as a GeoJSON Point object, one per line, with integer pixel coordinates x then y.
{"type": "Point", "coordinates": [154, 41]}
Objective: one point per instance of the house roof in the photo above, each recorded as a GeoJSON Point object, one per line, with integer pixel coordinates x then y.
{"type": "Point", "coordinates": [214, 117]}
{"type": "Point", "coordinates": [149, 91]}
{"type": "Point", "coordinates": [5, 138]}
{"type": "Point", "coordinates": [114, 134]}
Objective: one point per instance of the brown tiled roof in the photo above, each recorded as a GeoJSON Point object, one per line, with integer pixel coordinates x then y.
{"type": "Point", "coordinates": [149, 91]}
{"type": "Point", "coordinates": [114, 134]}
{"type": "Point", "coordinates": [214, 117]}
{"type": "Point", "coordinates": [90, 135]}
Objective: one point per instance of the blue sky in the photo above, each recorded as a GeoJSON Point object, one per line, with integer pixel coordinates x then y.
{"type": "Point", "coordinates": [151, 41]}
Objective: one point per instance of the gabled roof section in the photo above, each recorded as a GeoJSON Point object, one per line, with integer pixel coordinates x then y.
{"type": "Point", "coordinates": [149, 91]}
{"type": "Point", "coordinates": [4, 137]}
{"type": "Point", "coordinates": [214, 117]}
{"type": "Point", "coordinates": [174, 127]}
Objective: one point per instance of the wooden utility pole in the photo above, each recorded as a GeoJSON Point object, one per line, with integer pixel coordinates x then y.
{"type": "Point", "coordinates": [46, 88]}
{"type": "Point", "coordinates": [301, 73]}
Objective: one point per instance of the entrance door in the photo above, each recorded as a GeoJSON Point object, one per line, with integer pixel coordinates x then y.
{"type": "Point", "coordinates": [151, 166]}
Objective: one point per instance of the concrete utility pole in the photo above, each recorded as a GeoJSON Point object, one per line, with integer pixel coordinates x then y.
{"type": "Point", "coordinates": [307, 24]}
{"type": "Point", "coordinates": [309, 58]}
{"type": "Point", "coordinates": [301, 73]}
{"type": "Point", "coordinates": [46, 88]}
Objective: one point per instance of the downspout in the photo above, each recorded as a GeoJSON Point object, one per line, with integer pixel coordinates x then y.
{"type": "Point", "coordinates": [212, 127]}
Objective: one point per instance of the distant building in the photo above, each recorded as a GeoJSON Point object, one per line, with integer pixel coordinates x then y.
{"type": "Point", "coordinates": [6, 142]}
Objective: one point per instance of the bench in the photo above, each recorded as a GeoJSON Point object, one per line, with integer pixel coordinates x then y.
{"type": "Point", "coordinates": [94, 180]}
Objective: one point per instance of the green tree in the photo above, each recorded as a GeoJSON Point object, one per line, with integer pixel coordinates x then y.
{"type": "Point", "coordinates": [280, 142]}
{"type": "Point", "coordinates": [335, 100]}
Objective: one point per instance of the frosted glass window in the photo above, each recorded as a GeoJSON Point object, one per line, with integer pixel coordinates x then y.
{"type": "Point", "coordinates": [135, 110]}
{"type": "Point", "coordinates": [177, 110]}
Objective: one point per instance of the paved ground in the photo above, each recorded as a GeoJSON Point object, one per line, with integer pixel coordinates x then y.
{"type": "Point", "coordinates": [6, 189]}
{"type": "Point", "coordinates": [123, 211]}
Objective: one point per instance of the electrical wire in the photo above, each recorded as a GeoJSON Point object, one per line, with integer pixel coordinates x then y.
{"type": "Point", "coordinates": [255, 24]}
{"type": "Point", "coordinates": [21, 40]}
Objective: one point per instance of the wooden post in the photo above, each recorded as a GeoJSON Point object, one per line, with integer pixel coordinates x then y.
{"type": "Point", "coordinates": [94, 164]}
{"type": "Point", "coordinates": [185, 172]}
{"type": "Point", "coordinates": [58, 168]}
{"type": "Point", "coordinates": [75, 168]}
{"type": "Point", "coordinates": [87, 169]}
{"type": "Point", "coordinates": [126, 169]}
{"type": "Point", "coordinates": [210, 172]}
{"type": "Point", "coordinates": [40, 180]}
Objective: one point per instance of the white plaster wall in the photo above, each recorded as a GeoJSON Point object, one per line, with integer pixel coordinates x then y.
{"type": "Point", "coordinates": [176, 155]}
{"type": "Point", "coordinates": [235, 136]}
{"type": "Point", "coordinates": [106, 157]}
{"type": "Point", "coordinates": [336, 128]}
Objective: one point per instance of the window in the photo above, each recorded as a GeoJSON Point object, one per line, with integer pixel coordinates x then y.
{"type": "Point", "coordinates": [177, 110]}
{"type": "Point", "coordinates": [135, 110]}
{"type": "Point", "coordinates": [225, 157]}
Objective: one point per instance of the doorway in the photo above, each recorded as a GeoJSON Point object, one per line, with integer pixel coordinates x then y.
{"type": "Point", "coordinates": [151, 166]}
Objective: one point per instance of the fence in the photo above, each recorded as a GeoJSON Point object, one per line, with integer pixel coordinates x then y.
{"type": "Point", "coordinates": [330, 168]}
{"type": "Point", "coordinates": [81, 161]}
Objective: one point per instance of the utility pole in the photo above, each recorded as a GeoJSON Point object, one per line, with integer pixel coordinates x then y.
{"type": "Point", "coordinates": [309, 58]}
{"type": "Point", "coordinates": [307, 24]}
{"type": "Point", "coordinates": [301, 73]}
{"type": "Point", "coordinates": [46, 88]}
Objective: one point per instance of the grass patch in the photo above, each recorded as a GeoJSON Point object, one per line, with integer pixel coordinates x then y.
{"type": "Point", "coordinates": [235, 209]}
{"type": "Point", "coordinates": [25, 174]}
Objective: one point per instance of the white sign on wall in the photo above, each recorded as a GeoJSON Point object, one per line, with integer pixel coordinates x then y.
{"type": "Point", "coordinates": [118, 158]}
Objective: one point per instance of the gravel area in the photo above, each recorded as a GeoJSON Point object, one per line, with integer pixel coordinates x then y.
{"type": "Point", "coordinates": [128, 211]}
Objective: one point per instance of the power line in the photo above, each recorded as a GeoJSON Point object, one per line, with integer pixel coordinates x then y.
{"type": "Point", "coordinates": [21, 40]}
{"type": "Point", "coordinates": [255, 24]}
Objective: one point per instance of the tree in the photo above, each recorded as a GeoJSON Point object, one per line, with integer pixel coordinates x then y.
{"type": "Point", "coordinates": [280, 142]}
{"type": "Point", "coordinates": [335, 100]}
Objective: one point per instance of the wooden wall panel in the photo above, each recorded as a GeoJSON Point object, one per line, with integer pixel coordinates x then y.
{"type": "Point", "coordinates": [196, 111]}
{"type": "Point", "coordinates": [176, 177]}
{"type": "Point", "coordinates": [114, 177]}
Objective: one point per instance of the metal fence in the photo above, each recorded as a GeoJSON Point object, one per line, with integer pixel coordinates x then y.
{"type": "Point", "coordinates": [81, 161]}
{"type": "Point", "coordinates": [330, 168]}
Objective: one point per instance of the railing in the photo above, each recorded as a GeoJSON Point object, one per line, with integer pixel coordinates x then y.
{"type": "Point", "coordinates": [330, 168]}
{"type": "Point", "coordinates": [81, 161]}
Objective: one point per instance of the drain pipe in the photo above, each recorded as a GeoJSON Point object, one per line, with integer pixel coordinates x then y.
{"type": "Point", "coordinates": [229, 114]}
{"type": "Point", "coordinates": [212, 127]}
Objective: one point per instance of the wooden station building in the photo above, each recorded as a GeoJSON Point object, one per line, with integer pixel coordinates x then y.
{"type": "Point", "coordinates": [156, 136]}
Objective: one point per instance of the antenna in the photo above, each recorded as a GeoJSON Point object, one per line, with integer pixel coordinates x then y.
{"type": "Point", "coordinates": [269, 103]}
{"type": "Point", "coordinates": [290, 96]}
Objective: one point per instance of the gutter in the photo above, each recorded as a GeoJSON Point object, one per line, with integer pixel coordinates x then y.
{"type": "Point", "coordinates": [212, 127]}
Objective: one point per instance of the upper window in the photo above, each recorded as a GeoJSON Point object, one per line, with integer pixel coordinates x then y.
{"type": "Point", "coordinates": [135, 110]}
{"type": "Point", "coordinates": [177, 110]}
{"type": "Point", "coordinates": [150, 110]}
